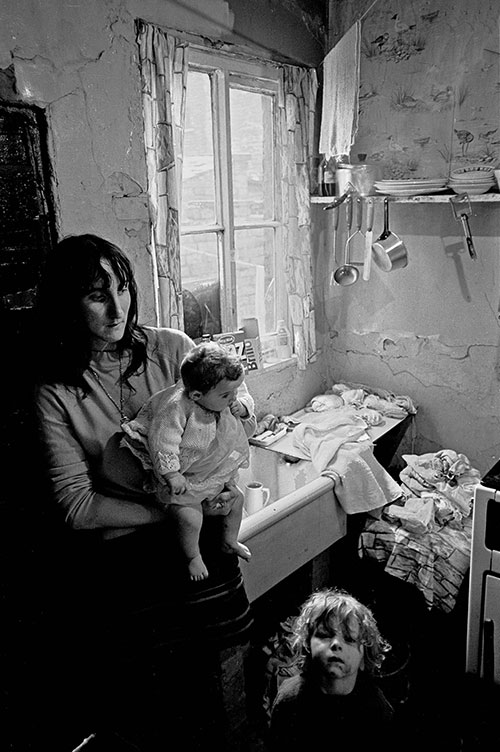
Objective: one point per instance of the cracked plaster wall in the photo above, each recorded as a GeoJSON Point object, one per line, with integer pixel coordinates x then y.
{"type": "Point", "coordinates": [430, 331]}
{"type": "Point", "coordinates": [78, 61]}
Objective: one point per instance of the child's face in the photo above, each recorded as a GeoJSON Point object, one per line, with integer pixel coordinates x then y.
{"type": "Point", "coordinates": [221, 395]}
{"type": "Point", "coordinates": [336, 652]}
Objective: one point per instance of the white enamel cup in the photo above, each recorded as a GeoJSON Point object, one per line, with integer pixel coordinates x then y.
{"type": "Point", "coordinates": [256, 496]}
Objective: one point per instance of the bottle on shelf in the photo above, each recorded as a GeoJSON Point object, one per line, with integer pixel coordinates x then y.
{"type": "Point", "coordinates": [321, 177]}
{"type": "Point", "coordinates": [326, 177]}
{"type": "Point", "coordinates": [329, 179]}
{"type": "Point", "coordinates": [283, 341]}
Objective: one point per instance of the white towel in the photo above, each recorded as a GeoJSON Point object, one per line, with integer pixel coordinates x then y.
{"type": "Point", "coordinates": [321, 442]}
{"type": "Point", "coordinates": [339, 118]}
{"type": "Point", "coordinates": [337, 443]}
{"type": "Point", "coordinates": [361, 483]}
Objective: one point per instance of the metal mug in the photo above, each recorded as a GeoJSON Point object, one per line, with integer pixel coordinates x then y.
{"type": "Point", "coordinates": [389, 251]}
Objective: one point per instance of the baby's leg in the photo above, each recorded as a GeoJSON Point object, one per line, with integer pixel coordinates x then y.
{"type": "Point", "coordinates": [231, 529]}
{"type": "Point", "coordinates": [189, 520]}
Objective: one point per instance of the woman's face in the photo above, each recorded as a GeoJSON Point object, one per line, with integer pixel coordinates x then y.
{"type": "Point", "coordinates": [105, 310]}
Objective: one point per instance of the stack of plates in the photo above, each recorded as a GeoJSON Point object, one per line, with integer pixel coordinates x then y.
{"type": "Point", "coordinates": [410, 187]}
{"type": "Point", "coordinates": [472, 180]}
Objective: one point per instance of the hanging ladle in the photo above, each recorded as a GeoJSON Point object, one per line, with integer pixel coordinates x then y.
{"type": "Point", "coordinates": [347, 274]}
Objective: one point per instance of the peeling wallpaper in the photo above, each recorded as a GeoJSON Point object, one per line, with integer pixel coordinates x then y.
{"type": "Point", "coordinates": [431, 330]}
{"type": "Point", "coordinates": [430, 91]}
{"type": "Point", "coordinates": [78, 62]}
{"type": "Point", "coordinates": [429, 99]}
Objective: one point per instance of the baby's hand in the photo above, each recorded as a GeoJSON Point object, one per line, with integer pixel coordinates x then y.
{"type": "Point", "coordinates": [238, 409]}
{"type": "Point", "coordinates": [176, 483]}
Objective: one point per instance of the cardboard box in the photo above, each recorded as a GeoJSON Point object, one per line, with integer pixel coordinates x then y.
{"type": "Point", "coordinates": [245, 343]}
{"type": "Point", "coordinates": [232, 342]}
{"type": "Point", "coordinates": [248, 349]}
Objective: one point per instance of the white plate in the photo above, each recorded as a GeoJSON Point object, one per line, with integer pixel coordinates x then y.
{"type": "Point", "coordinates": [410, 191]}
{"type": "Point", "coordinates": [417, 181]}
{"type": "Point", "coordinates": [471, 189]}
{"type": "Point", "coordinates": [409, 186]}
{"type": "Point", "coordinates": [472, 181]}
{"type": "Point", "coordinates": [471, 172]}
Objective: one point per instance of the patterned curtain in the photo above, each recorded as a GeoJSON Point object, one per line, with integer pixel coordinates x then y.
{"type": "Point", "coordinates": [163, 71]}
{"type": "Point", "coordinates": [296, 144]}
{"type": "Point", "coordinates": [163, 78]}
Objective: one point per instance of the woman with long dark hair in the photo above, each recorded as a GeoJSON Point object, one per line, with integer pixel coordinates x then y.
{"type": "Point", "coordinates": [155, 635]}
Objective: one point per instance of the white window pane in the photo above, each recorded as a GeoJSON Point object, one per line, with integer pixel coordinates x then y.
{"type": "Point", "coordinates": [200, 284]}
{"type": "Point", "coordinates": [198, 174]}
{"type": "Point", "coordinates": [252, 155]}
{"type": "Point", "coordinates": [256, 276]}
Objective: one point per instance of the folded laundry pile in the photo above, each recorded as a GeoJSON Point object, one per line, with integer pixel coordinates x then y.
{"type": "Point", "coordinates": [425, 537]}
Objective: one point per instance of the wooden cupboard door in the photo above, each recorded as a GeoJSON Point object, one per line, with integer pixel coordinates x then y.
{"type": "Point", "coordinates": [27, 229]}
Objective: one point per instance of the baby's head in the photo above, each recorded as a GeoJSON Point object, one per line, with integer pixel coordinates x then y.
{"type": "Point", "coordinates": [327, 611]}
{"type": "Point", "coordinates": [211, 375]}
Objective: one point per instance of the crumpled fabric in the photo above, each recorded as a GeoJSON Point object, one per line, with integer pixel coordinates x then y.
{"type": "Point", "coordinates": [353, 397]}
{"type": "Point", "coordinates": [339, 447]}
{"type": "Point", "coordinates": [371, 417]}
{"type": "Point", "coordinates": [436, 563]}
{"type": "Point", "coordinates": [446, 472]}
{"type": "Point", "coordinates": [326, 402]}
{"type": "Point", "coordinates": [361, 483]}
{"type": "Point", "coordinates": [386, 407]}
{"type": "Point", "coordinates": [390, 405]}
{"type": "Point", "coordinates": [319, 436]}
{"type": "Point", "coordinates": [415, 515]}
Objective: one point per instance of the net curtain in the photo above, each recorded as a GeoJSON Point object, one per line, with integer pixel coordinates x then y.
{"type": "Point", "coordinates": [164, 60]}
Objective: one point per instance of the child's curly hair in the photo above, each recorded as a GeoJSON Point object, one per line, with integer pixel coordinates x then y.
{"type": "Point", "coordinates": [208, 363]}
{"type": "Point", "coordinates": [328, 607]}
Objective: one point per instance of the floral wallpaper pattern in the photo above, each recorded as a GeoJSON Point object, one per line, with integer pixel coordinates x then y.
{"type": "Point", "coordinates": [429, 93]}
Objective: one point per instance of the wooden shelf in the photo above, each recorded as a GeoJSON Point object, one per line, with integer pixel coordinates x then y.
{"type": "Point", "coordinates": [431, 198]}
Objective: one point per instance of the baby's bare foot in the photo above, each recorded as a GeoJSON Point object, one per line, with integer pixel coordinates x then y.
{"type": "Point", "coordinates": [237, 548]}
{"type": "Point", "coordinates": [197, 568]}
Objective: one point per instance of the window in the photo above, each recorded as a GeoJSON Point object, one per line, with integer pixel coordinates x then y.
{"type": "Point", "coordinates": [230, 225]}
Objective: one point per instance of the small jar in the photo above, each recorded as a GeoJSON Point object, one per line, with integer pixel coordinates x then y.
{"type": "Point", "coordinates": [283, 346]}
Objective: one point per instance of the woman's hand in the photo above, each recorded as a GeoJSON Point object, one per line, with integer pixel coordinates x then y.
{"type": "Point", "coordinates": [223, 503]}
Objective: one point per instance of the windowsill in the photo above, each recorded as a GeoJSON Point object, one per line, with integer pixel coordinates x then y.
{"type": "Point", "coordinates": [274, 366]}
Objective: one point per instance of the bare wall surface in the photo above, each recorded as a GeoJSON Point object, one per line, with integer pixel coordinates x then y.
{"type": "Point", "coordinates": [430, 331]}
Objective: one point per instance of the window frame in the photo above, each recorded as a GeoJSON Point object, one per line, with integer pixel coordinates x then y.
{"type": "Point", "coordinates": [228, 71]}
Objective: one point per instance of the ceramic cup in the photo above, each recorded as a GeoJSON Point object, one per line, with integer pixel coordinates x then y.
{"type": "Point", "coordinates": [256, 496]}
